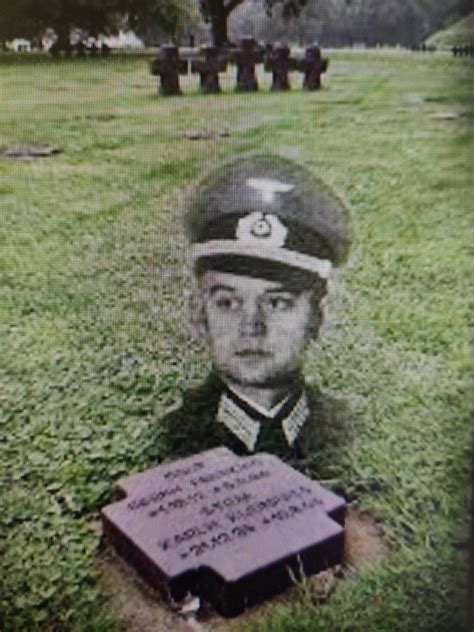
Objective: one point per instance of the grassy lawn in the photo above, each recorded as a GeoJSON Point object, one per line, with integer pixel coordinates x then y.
{"type": "Point", "coordinates": [95, 345]}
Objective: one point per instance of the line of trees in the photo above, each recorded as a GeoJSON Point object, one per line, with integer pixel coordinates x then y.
{"type": "Point", "coordinates": [348, 22]}
{"type": "Point", "coordinates": [336, 22]}
{"type": "Point", "coordinates": [31, 18]}
{"type": "Point", "coordinates": [217, 13]}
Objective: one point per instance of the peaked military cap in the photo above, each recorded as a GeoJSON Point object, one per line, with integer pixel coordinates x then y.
{"type": "Point", "coordinates": [269, 209]}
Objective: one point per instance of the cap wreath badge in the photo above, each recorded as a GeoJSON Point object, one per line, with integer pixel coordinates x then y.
{"type": "Point", "coordinates": [261, 227]}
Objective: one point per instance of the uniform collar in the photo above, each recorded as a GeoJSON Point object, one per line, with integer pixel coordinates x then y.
{"type": "Point", "coordinates": [267, 413]}
{"type": "Point", "coordinates": [244, 420]}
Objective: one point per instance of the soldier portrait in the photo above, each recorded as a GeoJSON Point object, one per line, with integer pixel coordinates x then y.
{"type": "Point", "coordinates": [264, 237]}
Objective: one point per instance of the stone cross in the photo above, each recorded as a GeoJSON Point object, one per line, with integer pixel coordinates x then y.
{"type": "Point", "coordinates": [231, 530]}
{"type": "Point", "coordinates": [313, 67]}
{"type": "Point", "coordinates": [279, 63]}
{"type": "Point", "coordinates": [212, 63]}
{"type": "Point", "coordinates": [245, 57]}
{"type": "Point", "coordinates": [168, 66]}
{"type": "Point", "coordinates": [80, 49]}
{"type": "Point", "coordinates": [466, 49]}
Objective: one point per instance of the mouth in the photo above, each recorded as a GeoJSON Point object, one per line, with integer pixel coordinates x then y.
{"type": "Point", "coordinates": [253, 353]}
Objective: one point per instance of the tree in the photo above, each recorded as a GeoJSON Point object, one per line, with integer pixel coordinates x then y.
{"type": "Point", "coordinates": [143, 16]}
{"type": "Point", "coordinates": [217, 13]}
{"type": "Point", "coordinates": [16, 20]}
{"type": "Point", "coordinates": [27, 18]}
{"type": "Point", "coordinates": [345, 22]}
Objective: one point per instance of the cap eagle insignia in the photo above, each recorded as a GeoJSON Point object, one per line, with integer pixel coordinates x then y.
{"type": "Point", "coordinates": [268, 188]}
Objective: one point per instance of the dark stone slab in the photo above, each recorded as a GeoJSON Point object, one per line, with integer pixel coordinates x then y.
{"type": "Point", "coordinates": [30, 151]}
{"type": "Point", "coordinates": [232, 530]}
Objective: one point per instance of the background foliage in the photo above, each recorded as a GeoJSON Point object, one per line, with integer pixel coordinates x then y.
{"type": "Point", "coordinates": [31, 18]}
{"type": "Point", "coordinates": [332, 22]}
{"type": "Point", "coordinates": [348, 22]}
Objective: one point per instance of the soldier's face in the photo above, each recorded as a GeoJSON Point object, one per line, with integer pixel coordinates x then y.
{"type": "Point", "coordinates": [256, 329]}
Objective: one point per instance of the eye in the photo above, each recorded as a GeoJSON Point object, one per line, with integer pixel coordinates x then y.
{"type": "Point", "coordinates": [279, 302]}
{"type": "Point", "coordinates": [226, 302]}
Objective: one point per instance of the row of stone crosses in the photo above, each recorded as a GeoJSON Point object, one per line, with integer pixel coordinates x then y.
{"type": "Point", "coordinates": [171, 62]}
{"type": "Point", "coordinates": [463, 50]}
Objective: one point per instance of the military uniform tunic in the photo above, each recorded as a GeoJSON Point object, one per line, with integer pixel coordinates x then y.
{"type": "Point", "coordinates": [197, 425]}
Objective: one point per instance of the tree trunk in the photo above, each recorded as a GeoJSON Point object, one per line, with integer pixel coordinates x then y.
{"type": "Point", "coordinates": [63, 42]}
{"type": "Point", "coordinates": [219, 25]}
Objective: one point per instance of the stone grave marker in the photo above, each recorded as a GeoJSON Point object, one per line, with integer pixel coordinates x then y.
{"type": "Point", "coordinates": [168, 66]}
{"type": "Point", "coordinates": [245, 57]}
{"type": "Point", "coordinates": [313, 66]}
{"type": "Point", "coordinates": [279, 63]}
{"type": "Point", "coordinates": [231, 530]}
{"type": "Point", "coordinates": [464, 50]}
{"type": "Point", "coordinates": [80, 49]}
{"type": "Point", "coordinates": [212, 63]}
{"type": "Point", "coordinates": [29, 151]}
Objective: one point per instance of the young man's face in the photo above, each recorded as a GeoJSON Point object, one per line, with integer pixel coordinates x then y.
{"type": "Point", "coordinates": [256, 329]}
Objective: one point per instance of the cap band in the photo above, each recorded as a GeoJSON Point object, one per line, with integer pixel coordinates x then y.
{"type": "Point", "coordinates": [321, 267]}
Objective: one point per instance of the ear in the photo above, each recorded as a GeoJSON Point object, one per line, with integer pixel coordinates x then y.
{"type": "Point", "coordinates": [317, 321]}
{"type": "Point", "coordinates": [317, 314]}
{"type": "Point", "coordinates": [197, 310]}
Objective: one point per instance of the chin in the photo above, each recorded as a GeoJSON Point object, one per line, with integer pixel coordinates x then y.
{"type": "Point", "coordinates": [260, 379]}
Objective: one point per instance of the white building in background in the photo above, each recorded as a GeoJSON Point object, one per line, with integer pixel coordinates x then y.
{"type": "Point", "coordinates": [48, 39]}
{"type": "Point", "coordinates": [124, 39]}
{"type": "Point", "coordinates": [19, 45]}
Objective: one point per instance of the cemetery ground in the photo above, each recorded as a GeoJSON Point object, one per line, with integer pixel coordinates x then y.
{"type": "Point", "coordinates": [95, 344]}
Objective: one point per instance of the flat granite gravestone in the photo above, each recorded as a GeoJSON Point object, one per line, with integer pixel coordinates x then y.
{"type": "Point", "coordinates": [231, 530]}
{"type": "Point", "coordinates": [29, 151]}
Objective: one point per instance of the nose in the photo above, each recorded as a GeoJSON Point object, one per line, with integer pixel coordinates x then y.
{"type": "Point", "coordinates": [252, 322]}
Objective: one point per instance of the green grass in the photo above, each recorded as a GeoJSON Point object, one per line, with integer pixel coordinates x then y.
{"type": "Point", "coordinates": [95, 345]}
